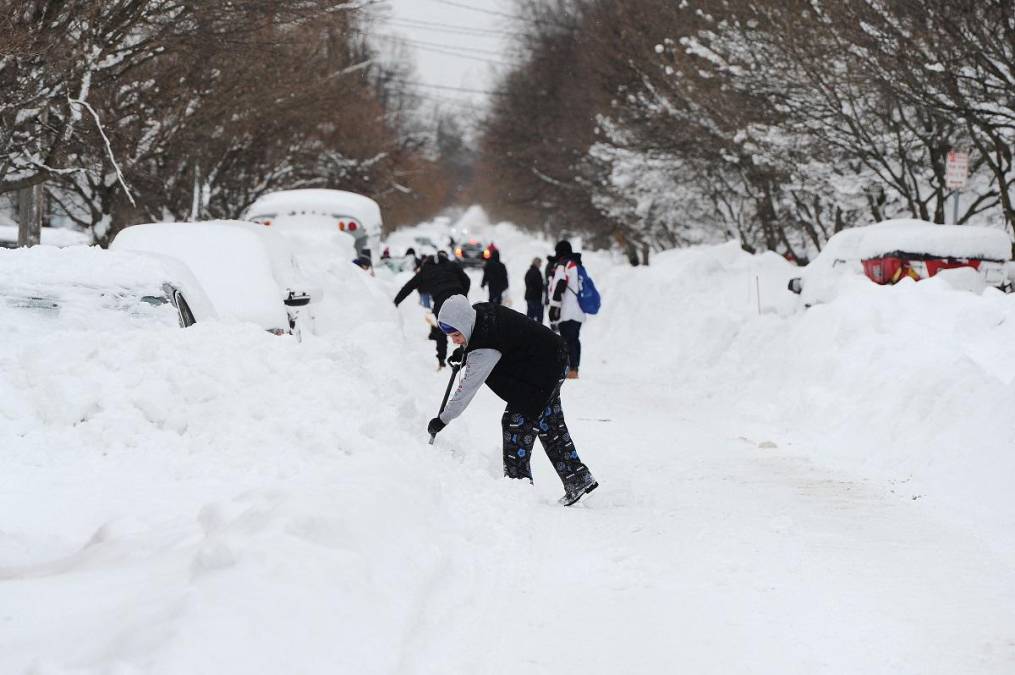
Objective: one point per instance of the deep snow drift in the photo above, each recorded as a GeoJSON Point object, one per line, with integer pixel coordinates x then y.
{"type": "Point", "coordinates": [781, 491]}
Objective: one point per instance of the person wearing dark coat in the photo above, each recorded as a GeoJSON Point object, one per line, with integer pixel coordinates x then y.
{"type": "Point", "coordinates": [438, 278]}
{"type": "Point", "coordinates": [495, 277]}
{"type": "Point", "coordinates": [534, 291]}
{"type": "Point", "coordinates": [525, 364]}
{"type": "Point", "coordinates": [551, 264]}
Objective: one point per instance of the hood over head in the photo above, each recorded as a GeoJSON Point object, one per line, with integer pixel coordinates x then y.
{"type": "Point", "coordinates": [459, 314]}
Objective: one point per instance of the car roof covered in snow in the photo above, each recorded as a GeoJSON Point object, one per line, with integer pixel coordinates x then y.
{"type": "Point", "coordinates": [66, 271]}
{"type": "Point", "coordinates": [945, 241]}
{"type": "Point", "coordinates": [337, 203]}
{"type": "Point", "coordinates": [231, 261]}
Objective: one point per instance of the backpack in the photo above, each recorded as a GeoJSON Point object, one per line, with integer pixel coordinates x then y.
{"type": "Point", "coordinates": [588, 296]}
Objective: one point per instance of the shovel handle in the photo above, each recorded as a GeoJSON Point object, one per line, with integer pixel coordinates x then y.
{"type": "Point", "coordinates": [447, 393]}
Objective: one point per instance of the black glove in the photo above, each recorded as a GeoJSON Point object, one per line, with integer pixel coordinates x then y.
{"type": "Point", "coordinates": [456, 358]}
{"type": "Point", "coordinates": [554, 314]}
{"type": "Point", "coordinates": [435, 426]}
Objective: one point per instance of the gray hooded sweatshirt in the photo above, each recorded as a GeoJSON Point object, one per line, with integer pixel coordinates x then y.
{"type": "Point", "coordinates": [460, 315]}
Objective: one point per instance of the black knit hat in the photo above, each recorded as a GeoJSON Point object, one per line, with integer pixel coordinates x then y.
{"type": "Point", "coordinates": [563, 248]}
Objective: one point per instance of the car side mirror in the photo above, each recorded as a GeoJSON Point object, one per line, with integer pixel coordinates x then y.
{"type": "Point", "coordinates": [795, 285]}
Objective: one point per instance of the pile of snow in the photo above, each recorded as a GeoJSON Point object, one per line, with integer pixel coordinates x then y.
{"type": "Point", "coordinates": [48, 236]}
{"type": "Point", "coordinates": [943, 241]}
{"type": "Point", "coordinates": [912, 383]}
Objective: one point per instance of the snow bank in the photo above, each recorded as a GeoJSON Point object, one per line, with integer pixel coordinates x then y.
{"type": "Point", "coordinates": [49, 236]}
{"type": "Point", "coordinates": [216, 499]}
{"type": "Point", "coordinates": [912, 384]}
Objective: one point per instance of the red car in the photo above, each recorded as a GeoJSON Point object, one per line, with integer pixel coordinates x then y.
{"type": "Point", "coordinates": [917, 249]}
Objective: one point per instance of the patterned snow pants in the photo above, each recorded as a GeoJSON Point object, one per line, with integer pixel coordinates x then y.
{"type": "Point", "coordinates": [520, 435]}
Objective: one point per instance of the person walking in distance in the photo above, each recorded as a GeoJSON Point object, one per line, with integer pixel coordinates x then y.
{"type": "Point", "coordinates": [534, 291]}
{"type": "Point", "coordinates": [439, 279]}
{"type": "Point", "coordinates": [565, 314]}
{"type": "Point", "coordinates": [495, 277]}
{"type": "Point", "coordinates": [525, 364]}
{"type": "Point", "coordinates": [551, 265]}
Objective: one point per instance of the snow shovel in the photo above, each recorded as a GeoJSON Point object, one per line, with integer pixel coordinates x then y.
{"type": "Point", "coordinates": [447, 393]}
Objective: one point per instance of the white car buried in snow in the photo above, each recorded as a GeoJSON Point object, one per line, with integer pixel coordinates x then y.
{"type": "Point", "coordinates": [248, 272]}
{"type": "Point", "coordinates": [80, 287]}
{"type": "Point", "coordinates": [892, 250]}
{"type": "Point", "coordinates": [315, 212]}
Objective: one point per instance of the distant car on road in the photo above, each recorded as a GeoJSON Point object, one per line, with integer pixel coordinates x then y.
{"type": "Point", "coordinates": [319, 211]}
{"type": "Point", "coordinates": [472, 253]}
{"type": "Point", "coordinates": [248, 272]}
{"type": "Point", "coordinates": [90, 288]}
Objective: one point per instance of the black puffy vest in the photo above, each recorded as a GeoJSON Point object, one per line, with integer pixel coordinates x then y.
{"type": "Point", "coordinates": [532, 361]}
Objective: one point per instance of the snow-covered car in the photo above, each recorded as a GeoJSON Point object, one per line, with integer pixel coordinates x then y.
{"type": "Point", "coordinates": [320, 211]}
{"type": "Point", "coordinates": [820, 279]}
{"type": "Point", "coordinates": [917, 249]}
{"type": "Point", "coordinates": [472, 253]}
{"type": "Point", "coordinates": [88, 287]}
{"type": "Point", "coordinates": [248, 272]}
{"type": "Point", "coordinates": [894, 249]}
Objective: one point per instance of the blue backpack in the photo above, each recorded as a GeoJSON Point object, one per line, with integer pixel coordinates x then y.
{"type": "Point", "coordinates": [588, 296]}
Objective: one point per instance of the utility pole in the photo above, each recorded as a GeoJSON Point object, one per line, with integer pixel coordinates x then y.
{"type": "Point", "coordinates": [31, 212]}
{"type": "Point", "coordinates": [195, 205]}
{"type": "Point", "coordinates": [32, 203]}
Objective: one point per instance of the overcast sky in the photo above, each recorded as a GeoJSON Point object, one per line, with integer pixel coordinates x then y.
{"type": "Point", "coordinates": [457, 45]}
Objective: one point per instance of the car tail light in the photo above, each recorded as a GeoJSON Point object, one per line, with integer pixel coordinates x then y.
{"type": "Point", "coordinates": [458, 251]}
{"type": "Point", "coordinates": [266, 223]}
{"type": "Point", "coordinates": [341, 225]}
{"type": "Point", "coordinates": [352, 227]}
{"type": "Point", "coordinates": [486, 254]}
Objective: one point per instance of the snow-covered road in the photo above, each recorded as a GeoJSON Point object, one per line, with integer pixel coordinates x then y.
{"type": "Point", "coordinates": [705, 553]}
{"type": "Point", "coordinates": [218, 501]}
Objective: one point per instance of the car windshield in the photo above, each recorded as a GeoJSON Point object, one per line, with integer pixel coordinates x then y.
{"type": "Point", "coordinates": [88, 307]}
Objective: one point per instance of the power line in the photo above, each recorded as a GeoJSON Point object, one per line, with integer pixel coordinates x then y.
{"type": "Point", "coordinates": [454, 29]}
{"type": "Point", "coordinates": [439, 45]}
{"type": "Point", "coordinates": [447, 51]}
{"type": "Point", "coordinates": [491, 12]}
{"type": "Point", "coordinates": [505, 15]}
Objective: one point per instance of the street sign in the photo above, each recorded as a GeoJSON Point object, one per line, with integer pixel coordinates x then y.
{"type": "Point", "coordinates": [956, 169]}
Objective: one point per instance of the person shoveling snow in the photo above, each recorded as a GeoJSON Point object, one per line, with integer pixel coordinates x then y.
{"type": "Point", "coordinates": [525, 364]}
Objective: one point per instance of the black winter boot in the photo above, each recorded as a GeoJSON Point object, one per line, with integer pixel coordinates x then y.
{"type": "Point", "coordinates": [577, 485]}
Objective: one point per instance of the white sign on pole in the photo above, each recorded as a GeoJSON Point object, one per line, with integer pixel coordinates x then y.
{"type": "Point", "coordinates": [956, 169]}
